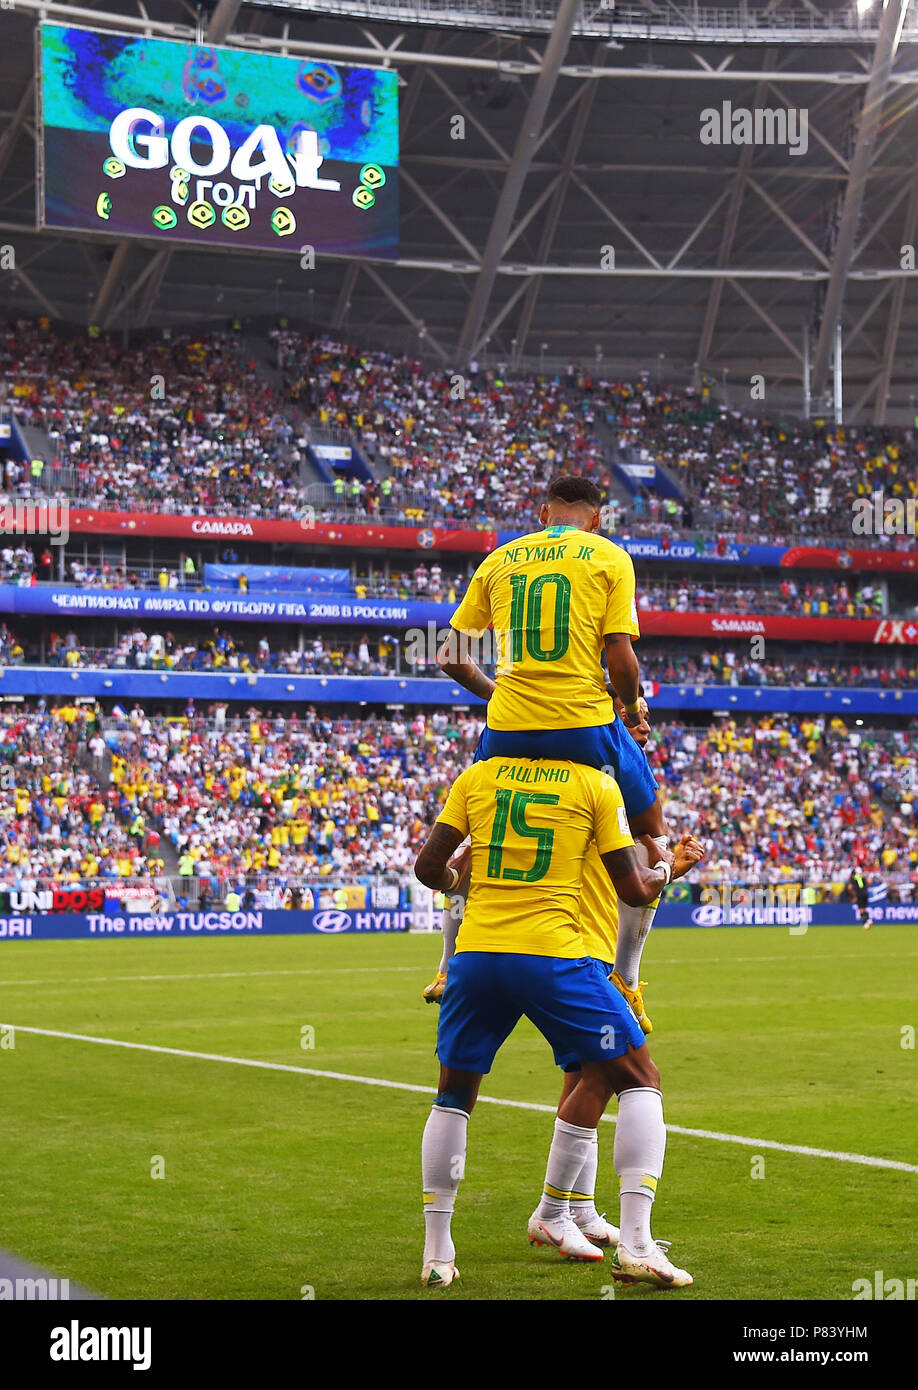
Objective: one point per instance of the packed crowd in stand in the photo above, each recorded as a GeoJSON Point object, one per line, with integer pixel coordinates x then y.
{"type": "Point", "coordinates": [285, 807]}
{"type": "Point", "coordinates": [219, 650]}
{"type": "Point", "coordinates": [307, 801]}
{"type": "Point", "coordinates": [19, 566]}
{"type": "Point", "coordinates": [732, 666]}
{"type": "Point", "coordinates": [780, 799]}
{"type": "Point", "coordinates": [806, 599]}
{"type": "Point", "coordinates": [188, 423]}
{"type": "Point", "coordinates": [754, 480]}
{"type": "Point", "coordinates": [483, 444]}
{"type": "Point", "coordinates": [480, 446]}
{"type": "Point", "coordinates": [58, 820]}
{"type": "Point", "coordinates": [183, 423]}
{"type": "Point", "coordinates": [306, 798]}
{"type": "Point", "coordinates": [333, 795]}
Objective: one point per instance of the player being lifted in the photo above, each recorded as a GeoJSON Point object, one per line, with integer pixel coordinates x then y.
{"type": "Point", "coordinates": [556, 599]}
{"type": "Point", "coordinates": [522, 951]}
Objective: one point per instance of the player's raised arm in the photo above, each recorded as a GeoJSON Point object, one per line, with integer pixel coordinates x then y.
{"type": "Point", "coordinates": [470, 621]}
{"type": "Point", "coordinates": [619, 627]}
{"type": "Point", "coordinates": [637, 885]}
{"type": "Point", "coordinates": [455, 661]}
{"type": "Point", "coordinates": [624, 673]}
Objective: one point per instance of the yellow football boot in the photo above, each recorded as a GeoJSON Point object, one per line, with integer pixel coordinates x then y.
{"type": "Point", "coordinates": [434, 991]}
{"type": "Point", "coordinates": [635, 999]}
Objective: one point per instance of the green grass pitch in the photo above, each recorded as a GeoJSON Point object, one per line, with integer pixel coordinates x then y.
{"type": "Point", "coordinates": [275, 1182]}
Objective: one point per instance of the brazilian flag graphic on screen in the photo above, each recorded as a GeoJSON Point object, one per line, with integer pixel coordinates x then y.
{"type": "Point", "coordinates": [181, 141]}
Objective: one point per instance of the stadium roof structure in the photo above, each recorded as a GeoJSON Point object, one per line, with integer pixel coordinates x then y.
{"type": "Point", "coordinates": [574, 211]}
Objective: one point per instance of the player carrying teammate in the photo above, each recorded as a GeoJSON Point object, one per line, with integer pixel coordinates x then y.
{"type": "Point", "coordinates": [599, 910]}
{"type": "Point", "coordinates": [522, 951]}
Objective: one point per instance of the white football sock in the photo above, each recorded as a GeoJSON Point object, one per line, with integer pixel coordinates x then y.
{"type": "Point", "coordinates": [634, 925]}
{"type": "Point", "coordinates": [640, 1144]}
{"type": "Point", "coordinates": [570, 1148]}
{"type": "Point", "coordinates": [442, 1166]}
{"type": "Point", "coordinates": [583, 1193]}
{"type": "Point", "coordinates": [451, 920]}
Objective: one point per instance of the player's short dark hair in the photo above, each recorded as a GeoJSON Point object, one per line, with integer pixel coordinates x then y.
{"type": "Point", "coordinates": [568, 487]}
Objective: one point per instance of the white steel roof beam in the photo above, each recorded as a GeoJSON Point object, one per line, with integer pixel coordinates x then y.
{"type": "Point", "coordinates": [868, 126]}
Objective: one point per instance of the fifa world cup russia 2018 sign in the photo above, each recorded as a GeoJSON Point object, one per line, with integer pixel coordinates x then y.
{"type": "Point", "coordinates": [153, 138]}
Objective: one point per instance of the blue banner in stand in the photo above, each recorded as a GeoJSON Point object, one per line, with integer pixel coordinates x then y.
{"type": "Point", "coordinates": [209, 605]}
{"type": "Point", "coordinates": [650, 548]}
{"type": "Point", "coordinates": [54, 684]}
{"type": "Point", "coordinates": [216, 922]}
{"type": "Point", "coordinates": [310, 582]}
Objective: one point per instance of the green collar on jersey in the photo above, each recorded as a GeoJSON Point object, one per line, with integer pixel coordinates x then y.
{"type": "Point", "coordinates": [554, 531]}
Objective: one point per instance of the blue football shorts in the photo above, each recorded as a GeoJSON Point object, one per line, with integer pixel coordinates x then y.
{"type": "Point", "coordinates": [600, 745]}
{"type": "Point", "coordinates": [579, 1013]}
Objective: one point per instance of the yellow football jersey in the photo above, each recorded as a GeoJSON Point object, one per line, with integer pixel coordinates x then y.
{"type": "Point", "coordinates": [551, 598]}
{"type": "Point", "coordinates": [532, 823]}
{"type": "Point", "coordinates": [598, 909]}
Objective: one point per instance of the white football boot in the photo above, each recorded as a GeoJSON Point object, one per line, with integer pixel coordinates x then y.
{"type": "Point", "coordinates": [597, 1229]}
{"type": "Point", "coordinates": [438, 1274]}
{"type": "Point", "coordinates": [653, 1267]}
{"type": "Point", "coordinates": [563, 1233]}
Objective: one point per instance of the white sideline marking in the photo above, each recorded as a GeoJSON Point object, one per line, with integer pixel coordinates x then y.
{"type": "Point", "coordinates": [822, 955]}
{"type": "Point", "coordinates": [864, 1159]}
{"type": "Point", "coordinates": [207, 975]}
{"type": "Point", "coordinates": [398, 969]}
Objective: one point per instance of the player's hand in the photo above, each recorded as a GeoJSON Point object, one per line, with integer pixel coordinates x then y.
{"type": "Point", "coordinates": [640, 729]}
{"type": "Point", "coordinates": [688, 852]}
{"type": "Point", "coordinates": [462, 863]}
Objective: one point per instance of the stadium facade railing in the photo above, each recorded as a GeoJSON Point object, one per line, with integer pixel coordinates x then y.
{"type": "Point", "coordinates": [417, 513]}
{"type": "Point", "coordinates": [689, 22]}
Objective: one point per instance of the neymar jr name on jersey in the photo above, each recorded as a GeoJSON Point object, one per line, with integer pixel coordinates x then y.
{"type": "Point", "coordinates": [532, 554]}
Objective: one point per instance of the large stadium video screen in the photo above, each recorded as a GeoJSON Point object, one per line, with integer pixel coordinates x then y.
{"type": "Point", "coordinates": [153, 138]}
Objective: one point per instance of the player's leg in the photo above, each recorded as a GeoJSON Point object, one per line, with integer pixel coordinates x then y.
{"type": "Point", "coordinates": [589, 1021]}
{"type": "Point", "coordinates": [475, 1019]}
{"type": "Point", "coordinates": [574, 1150]}
{"type": "Point", "coordinates": [645, 817]}
{"type": "Point", "coordinates": [443, 1149]}
{"type": "Point", "coordinates": [634, 924]}
{"type": "Point", "coordinates": [591, 1222]}
{"type": "Point", "coordinates": [557, 995]}
{"type": "Point", "coordinates": [640, 1147]}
